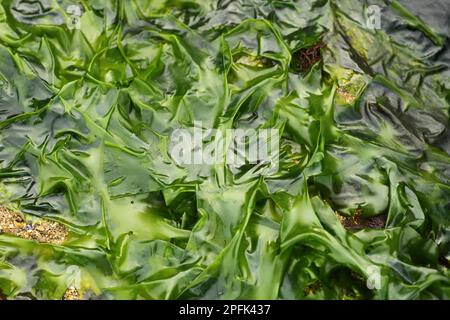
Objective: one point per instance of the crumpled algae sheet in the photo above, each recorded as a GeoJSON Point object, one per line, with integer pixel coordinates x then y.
{"type": "Point", "coordinates": [90, 92]}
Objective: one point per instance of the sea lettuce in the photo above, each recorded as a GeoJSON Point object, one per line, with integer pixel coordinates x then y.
{"type": "Point", "coordinates": [91, 91]}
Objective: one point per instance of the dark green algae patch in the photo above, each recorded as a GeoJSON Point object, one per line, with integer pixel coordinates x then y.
{"type": "Point", "coordinates": [87, 108]}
